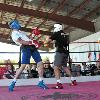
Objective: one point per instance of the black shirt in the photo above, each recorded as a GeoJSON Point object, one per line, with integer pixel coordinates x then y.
{"type": "Point", "coordinates": [61, 41]}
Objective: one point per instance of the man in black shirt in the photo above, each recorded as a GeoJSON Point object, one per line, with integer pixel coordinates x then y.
{"type": "Point", "coordinates": [62, 51]}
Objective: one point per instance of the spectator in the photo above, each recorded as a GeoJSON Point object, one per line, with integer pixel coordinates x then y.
{"type": "Point", "coordinates": [83, 69]}
{"type": "Point", "coordinates": [27, 71]}
{"type": "Point", "coordinates": [92, 69]}
{"type": "Point", "coordinates": [98, 63]}
{"type": "Point", "coordinates": [9, 74]}
{"type": "Point", "coordinates": [2, 71]}
{"type": "Point", "coordinates": [75, 68]}
{"type": "Point", "coordinates": [48, 70]}
{"type": "Point", "coordinates": [34, 72]}
{"type": "Point", "coordinates": [98, 66]}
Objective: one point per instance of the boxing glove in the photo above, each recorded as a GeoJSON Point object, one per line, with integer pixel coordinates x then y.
{"type": "Point", "coordinates": [34, 42]}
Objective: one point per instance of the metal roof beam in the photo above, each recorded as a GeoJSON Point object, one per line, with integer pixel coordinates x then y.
{"type": "Point", "coordinates": [97, 8]}
{"type": "Point", "coordinates": [83, 24]}
{"type": "Point", "coordinates": [79, 7]}
{"type": "Point", "coordinates": [25, 29]}
{"type": "Point", "coordinates": [43, 2]}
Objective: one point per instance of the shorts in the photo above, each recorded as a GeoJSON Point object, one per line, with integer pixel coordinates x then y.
{"type": "Point", "coordinates": [27, 53]}
{"type": "Point", "coordinates": [60, 59]}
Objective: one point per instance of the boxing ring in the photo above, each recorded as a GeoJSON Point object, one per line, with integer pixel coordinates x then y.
{"type": "Point", "coordinates": [88, 88]}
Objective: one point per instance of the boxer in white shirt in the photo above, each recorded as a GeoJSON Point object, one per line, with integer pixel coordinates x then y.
{"type": "Point", "coordinates": [29, 48]}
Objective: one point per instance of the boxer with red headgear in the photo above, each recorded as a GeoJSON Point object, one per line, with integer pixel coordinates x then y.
{"type": "Point", "coordinates": [28, 49]}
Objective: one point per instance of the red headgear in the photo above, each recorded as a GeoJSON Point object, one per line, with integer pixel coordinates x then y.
{"type": "Point", "coordinates": [36, 31]}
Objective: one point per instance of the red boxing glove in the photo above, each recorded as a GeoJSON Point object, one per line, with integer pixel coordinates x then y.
{"type": "Point", "coordinates": [36, 31]}
{"type": "Point", "coordinates": [34, 42]}
{"type": "Point", "coordinates": [37, 45]}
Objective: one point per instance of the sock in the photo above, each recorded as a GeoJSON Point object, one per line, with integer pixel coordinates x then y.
{"type": "Point", "coordinates": [14, 80]}
{"type": "Point", "coordinates": [40, 78]}
{"type": "Point", "coordinates": [73, 78]}
{"type": "Point", "coordinates": [59, 81]}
